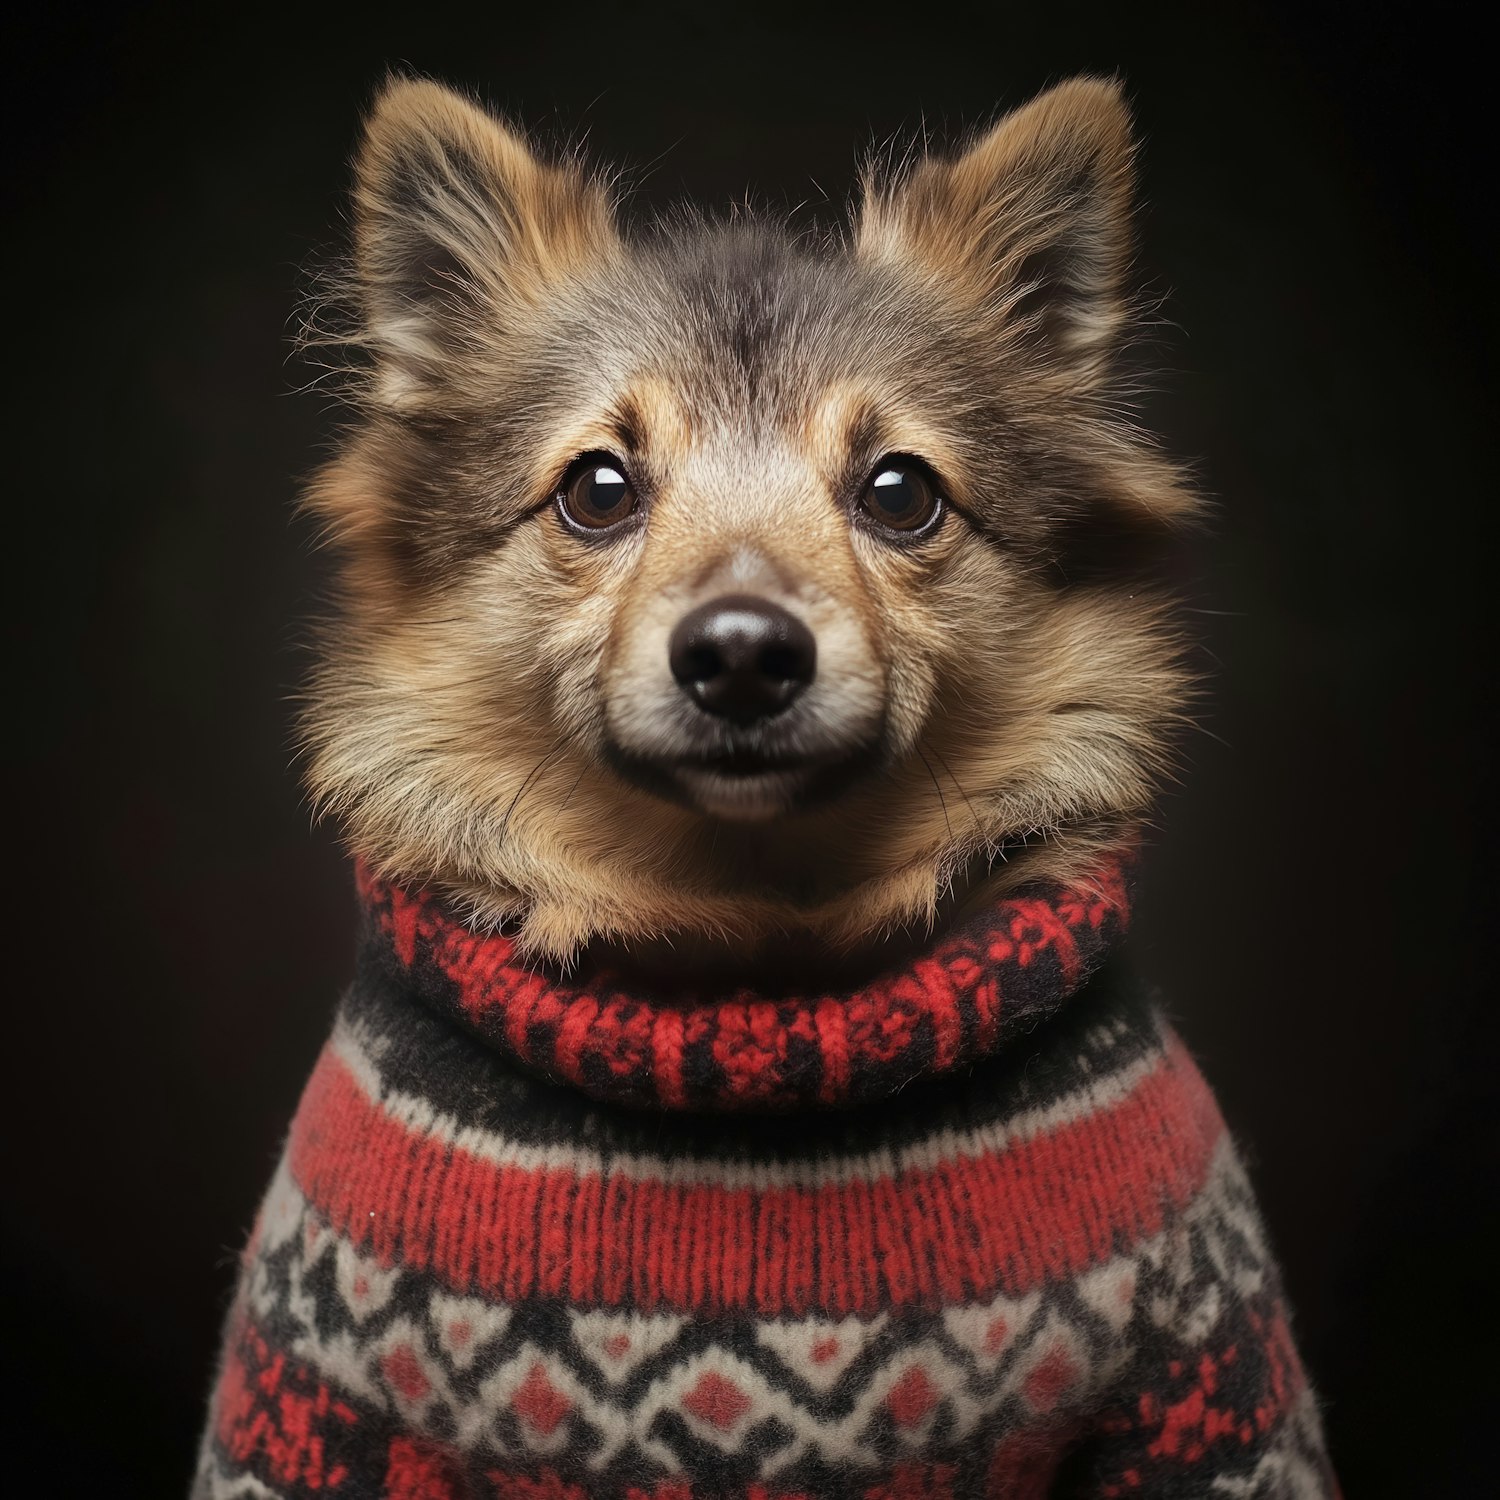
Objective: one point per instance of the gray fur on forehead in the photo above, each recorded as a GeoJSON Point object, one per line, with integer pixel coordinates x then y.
{"type": "Point", "coordinates": [764, 311]}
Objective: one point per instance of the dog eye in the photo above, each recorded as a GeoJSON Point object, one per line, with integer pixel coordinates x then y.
{"type": "Point", "coordinates": [596, 495]}
{"type": "Point", "coordinates": [902, 497]}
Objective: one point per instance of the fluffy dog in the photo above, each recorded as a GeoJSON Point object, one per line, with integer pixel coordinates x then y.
{"type": "Point", "coordinates": [749, 677]}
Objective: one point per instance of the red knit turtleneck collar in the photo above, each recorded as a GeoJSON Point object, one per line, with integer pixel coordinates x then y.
{"type": "Point", "coordinates": [989, 979]}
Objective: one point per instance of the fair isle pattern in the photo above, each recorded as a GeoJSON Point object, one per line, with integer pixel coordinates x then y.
{"type": "Point", "coordinates": [1042, 1274]}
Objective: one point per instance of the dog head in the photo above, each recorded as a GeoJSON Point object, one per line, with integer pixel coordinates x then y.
{"type": "Point", "coordinates": [716, 579]}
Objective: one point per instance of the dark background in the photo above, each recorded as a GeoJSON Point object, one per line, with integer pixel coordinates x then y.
{"type": "Point", "coordinates": [1314, 183]}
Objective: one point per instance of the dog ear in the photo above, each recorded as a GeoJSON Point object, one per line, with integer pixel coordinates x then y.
{"type": "Point", "coordinates": [1030, 225]}
{"type": "Point", "coordinates": [459, 229]}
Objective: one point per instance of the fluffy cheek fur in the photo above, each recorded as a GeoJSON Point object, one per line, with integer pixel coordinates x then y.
{"type": "Point", "coordinates": [1043, 717]}
{"type": "Point", "coordinates": [458, 740]}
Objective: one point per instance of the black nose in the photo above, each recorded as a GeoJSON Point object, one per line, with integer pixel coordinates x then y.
{"type": "Point", "coordinates": [742, 658]}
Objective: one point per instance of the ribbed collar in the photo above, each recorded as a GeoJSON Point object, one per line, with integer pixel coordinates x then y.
{"type": "Point", "coordinates": [980, 985]}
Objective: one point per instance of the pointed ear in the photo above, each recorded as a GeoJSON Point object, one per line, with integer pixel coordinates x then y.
{"type": "Point", "coordinates": [459, 230]}
{"type": "Point", "coordinates": [1031, 224]}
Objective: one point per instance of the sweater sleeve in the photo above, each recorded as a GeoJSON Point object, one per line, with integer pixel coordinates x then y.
{"type": "Point", "coordinates": [1211, 1399]}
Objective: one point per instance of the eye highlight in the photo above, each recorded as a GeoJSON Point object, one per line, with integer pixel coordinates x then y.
{"type": "Point", "coordinates": [902, 497]}
{"type": "Point", "coordinates": [596, 494]}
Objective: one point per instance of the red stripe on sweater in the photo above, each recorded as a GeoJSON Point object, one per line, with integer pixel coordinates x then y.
{"type": "Point", "coordinates": [1044, 1208]}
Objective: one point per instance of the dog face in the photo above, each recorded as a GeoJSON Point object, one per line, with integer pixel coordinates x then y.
{"type": "Point", "coordinates": [718, 580]}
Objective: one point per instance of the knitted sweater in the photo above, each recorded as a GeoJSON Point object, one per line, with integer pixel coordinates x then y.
{"type": "Point", "coordinates": [974, 1228]}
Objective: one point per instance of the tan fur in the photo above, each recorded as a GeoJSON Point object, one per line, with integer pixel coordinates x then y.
{"type": "Point", "coordinates": [484, 655]}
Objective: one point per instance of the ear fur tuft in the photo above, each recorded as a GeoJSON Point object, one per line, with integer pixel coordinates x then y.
{"type": "Point", "coordinates": [1030, 225]}
{"type": "Point", "coordinates": [458, 222]}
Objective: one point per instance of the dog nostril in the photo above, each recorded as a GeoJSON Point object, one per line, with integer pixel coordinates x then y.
{"type": "Point", "coordinates": [783, 663]}
{"type": "Point", "coordinates": [699, 663]}
{"type": "Point", "coordinates": [742, 658]}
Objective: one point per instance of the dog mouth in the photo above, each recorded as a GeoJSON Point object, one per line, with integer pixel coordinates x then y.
{"type": "Point", "coordinates": [745, 761]}
{"type": "Point", "coordinates": [745, 781]}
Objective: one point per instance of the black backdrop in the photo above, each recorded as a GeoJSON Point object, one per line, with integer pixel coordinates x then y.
{"type": "Point", "coordinates": [1314, 185]}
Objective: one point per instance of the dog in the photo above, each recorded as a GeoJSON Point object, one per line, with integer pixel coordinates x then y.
{"type": "Point", "coordinates": [752, 672]}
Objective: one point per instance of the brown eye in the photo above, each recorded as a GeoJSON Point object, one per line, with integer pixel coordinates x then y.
{"type": "Point", "coordinates": [902, 497]}
{"type": "Point", "coordinates": [596, 495]}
